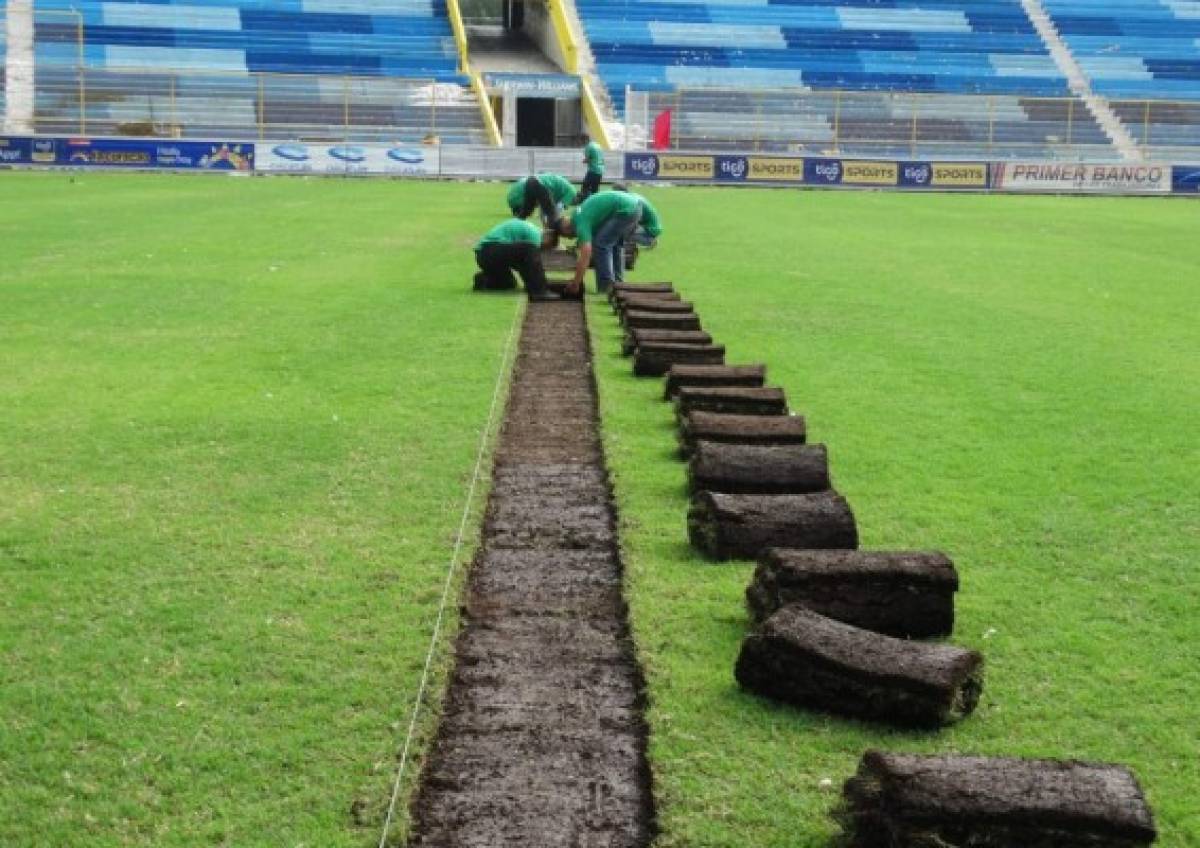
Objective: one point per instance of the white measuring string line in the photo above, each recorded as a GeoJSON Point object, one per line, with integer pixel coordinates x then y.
{"type": "Point", "coordinates": [441, 614]}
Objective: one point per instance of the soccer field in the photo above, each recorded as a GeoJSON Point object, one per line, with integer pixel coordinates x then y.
{"type": "Point", "coordinates": [241, 417]}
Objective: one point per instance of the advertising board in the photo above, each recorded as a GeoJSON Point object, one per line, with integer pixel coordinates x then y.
{"type": "Point", "coordinates": [1185, 179]}
{"type": "Point", "coordinates": [15, 151]}
{"type": "Point", "coordinates": [795, 170]}
{"type": "Point", "coordinates": [1077, 178]}
{"type": "Point", "coordinates": [295, 157]}
{"type": "Point", "coordinates": [149, 153]}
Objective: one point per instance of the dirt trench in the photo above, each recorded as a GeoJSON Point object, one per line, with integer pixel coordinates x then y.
{"type": "Point", "coordinates": [542, 742]}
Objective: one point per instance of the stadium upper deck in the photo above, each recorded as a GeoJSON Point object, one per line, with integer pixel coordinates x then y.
{"type": "Point", "coordinates": [947, 46]}
{"type": "Point", "coordinates": [366, 67]}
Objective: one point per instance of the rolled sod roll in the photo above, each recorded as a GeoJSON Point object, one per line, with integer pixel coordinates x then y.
{"type": "Point", "coordinates": [758, 469]}
{"type": "Point", "coordinates": [907, 594]}
{"type": "Point", "coordinates": [730, 399]}
{"type": "Point", "coordinates": [559, 287]}
{"type": "Point", "coordinates": [641, 288]}
{"type": "Point", "coordinates": [637, 320]}
{"type": "Point", "coordinates": [803, 658]}
{"type": "Point", "coordinates": [633, 338]}
{"type": "Point", "coordinates": [739, 429]}
{"type": "Point", "coordinates": [745, 526]}
{"type": "Point", "coordinates": [903, 800]}
{"type": "Point", "coordinates": [747, 376]}
{"type": "Point", "coordinates": [654, 359]}
{"type": "Point", "coordinates": [673, 307]}
{"type": "Point", "coordinates": [621, 300]}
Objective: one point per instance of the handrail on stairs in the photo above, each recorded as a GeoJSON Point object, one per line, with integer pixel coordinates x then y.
{"type": "Point", "coordinates": [570, 51]}
{"type": "Point", "coordinates": [464, 66]}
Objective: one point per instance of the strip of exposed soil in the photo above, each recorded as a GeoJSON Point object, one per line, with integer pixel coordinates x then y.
{"type": "Point", "coordinates": [542, 742]}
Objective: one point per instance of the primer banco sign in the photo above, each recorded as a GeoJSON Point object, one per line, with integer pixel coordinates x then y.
{"type": "Point", "coordinates": [1075, 177]}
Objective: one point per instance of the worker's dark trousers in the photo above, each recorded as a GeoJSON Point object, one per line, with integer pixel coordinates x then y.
{"type": "Point", "coordinates": [537, 197]}
{"type": "Point", "coordinates": [589, 186]}
{"type": "Point", "coordinates": [498, 261]}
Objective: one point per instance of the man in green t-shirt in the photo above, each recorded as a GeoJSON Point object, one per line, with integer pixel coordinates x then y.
{"type": "Point", "coordinates": [645, 234]}
{"type": "Point", "coordinates": [649, 225]}
{"type": "Point", "coordinates": [593, 157]}
{"type": "Point", "coordinates": [550, 192]}
{"type": "Point", "coordinates": [600, 225]}
{"type": "Point", "coordinates": [513, 245]}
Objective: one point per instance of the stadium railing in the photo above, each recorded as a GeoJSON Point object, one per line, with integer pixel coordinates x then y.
{"type": "Point", "coordinates": [170, 103]}
{"type": "Point", "coordinates": [891, 124]}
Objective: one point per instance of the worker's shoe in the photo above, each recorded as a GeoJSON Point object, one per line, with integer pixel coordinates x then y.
{"type": "Point", "coordinates": [543, 296]}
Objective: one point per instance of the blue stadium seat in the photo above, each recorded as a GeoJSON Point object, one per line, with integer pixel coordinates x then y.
{"type": "Point", "coordinates": [1138, 53]}
{"type": "Point", "coordinates": [192, 60]}
{"type": "Point", "coordinates": [937, 46]}
{"type": "Point", "coordinates": [756, 73]}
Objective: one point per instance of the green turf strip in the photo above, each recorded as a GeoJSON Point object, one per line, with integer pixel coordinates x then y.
{"type": "Point", "coordinates": [239, 420]}
{"type": "Point", "coordinates": [1012, 380]}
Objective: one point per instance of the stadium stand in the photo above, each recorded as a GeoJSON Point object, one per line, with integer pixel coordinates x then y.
{"type": "Point", "coordinates": [361, 69]}
{"type": "Point", "coordinates": [946, 46]}
{"type": "Point", "coordinates": [1138, 53]}
{"type": "Point", "coordinates": [998, 91]}
{"type": "Point", "coordinates": [880, 124]}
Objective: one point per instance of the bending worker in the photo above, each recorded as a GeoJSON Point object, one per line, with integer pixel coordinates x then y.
{"type": "Point", "coordinates": [649, 226]}
{"type": "Point", "coordinates": [593, 157]}
{"type": "Point", "coordinates": [513, 245]}
{"type": "Point", "coordinates": [600, 225]}
{"type": "Point", "coordinates": [550, 192]}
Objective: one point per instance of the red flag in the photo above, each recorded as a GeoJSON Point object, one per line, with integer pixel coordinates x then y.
{"type": "Point", "coordinates": [662, 130]}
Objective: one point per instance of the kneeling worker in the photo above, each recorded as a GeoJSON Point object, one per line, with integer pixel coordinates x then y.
{"type": "Point", "coordinates": [601, 225]}
{"type": "Point", "coordinates": [547, 191]}
{"type": "Point", "coordinates": [513, 245]}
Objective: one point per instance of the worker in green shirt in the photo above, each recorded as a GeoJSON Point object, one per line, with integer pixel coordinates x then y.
{"type": "Point", "coordinates": [645, 234]}
{"type": "Point", "coordinates": [550, 192]}
{"type": "Point", "coordinates": [593, 157]}
{"type": "Point", "coordinates": [649, 227]}
{"type": "Point", "coordinates": [600, 225]}
{"type": "Point", "coordinates": [513, 245]}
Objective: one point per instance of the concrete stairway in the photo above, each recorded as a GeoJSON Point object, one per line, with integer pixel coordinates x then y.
{"type": "Point", "coordinates": [1078, 82]}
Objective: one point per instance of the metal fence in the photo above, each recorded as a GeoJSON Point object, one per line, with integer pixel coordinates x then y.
{"type": "Point", "coordinates": [902, 124]}
{"type": "Point", "coordinates": [178, 103]}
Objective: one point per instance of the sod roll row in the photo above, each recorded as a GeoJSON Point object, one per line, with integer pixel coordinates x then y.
{"type": "Point", "coordinates": [837, 628]}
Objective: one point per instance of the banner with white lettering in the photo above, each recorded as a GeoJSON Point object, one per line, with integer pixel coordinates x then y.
{"type": "Point", "coordinates": [294, 157]}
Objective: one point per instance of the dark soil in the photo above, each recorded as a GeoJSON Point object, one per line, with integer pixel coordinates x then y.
{"type": "Point", "coordinates": [542, 741]}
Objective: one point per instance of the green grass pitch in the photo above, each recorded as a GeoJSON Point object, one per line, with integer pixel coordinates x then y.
{"type": "Point", "coordinates": [239, 420]}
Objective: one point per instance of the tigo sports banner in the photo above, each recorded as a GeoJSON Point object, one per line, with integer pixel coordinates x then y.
{"type": "Point", "coordinates": [367, 159]}
{"type": "Point", "coordinates": [943, 175]}
{"type": "Point", "coordinates": [15, 151]}
{"type": "Point", "coordinates": [1073, 177]}
{"type": "Point", "coordinates": [795, 170]}
{"type": "Point", "coordinates": [1185, 179]}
